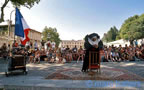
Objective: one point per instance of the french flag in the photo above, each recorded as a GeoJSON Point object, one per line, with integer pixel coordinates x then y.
{"type": "Point", "coordinates": [21, 27]}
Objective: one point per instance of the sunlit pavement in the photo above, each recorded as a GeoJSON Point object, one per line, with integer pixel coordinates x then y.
{"type": "Point", "coordinates": [35, 79]}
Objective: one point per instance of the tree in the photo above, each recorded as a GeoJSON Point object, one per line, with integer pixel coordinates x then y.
{"type": "Point", "coordinates": [51, 34]}
{"type": "Point", "coordinates": [133, 28]}
{"type": "Point", "coordinates": [104, 38]}
{"type": "Point", "coordinates": [25, 3]}
{"type": "Point", "coordinates": [111, 35]}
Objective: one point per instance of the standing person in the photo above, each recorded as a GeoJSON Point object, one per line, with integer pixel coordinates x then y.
{"type": "Point", "coordinates": [62, 51]}
{"type": "Point", "coordinates": [42, 43]}
{"type": "Point", "coordinates": [74, 52]}
{"type": "Point", "coordinates": [53, 45]}
{"type": "Point", "coordinates": [31, 44]}
{"type": "Point", "coordinates": [67, 48]}
{"type": "Point", "coordinates": [28, 45]}
{"type": "Point", "coordinates": [4, 50]}
{"type": "Point", "coordinates": [15, 44]}
{"type": "Point", "coordinates": [142, 42]}
{"type": "Point", "coordinates": [80, 54]}
{"type": "Point", "coordinates": [48, 44]}
{"type": "Point", "coordinates": [9, 47]}
{"type": "Point", "coordinates": [67, 53]}
{"type": "Point", "coordinates": [136, 43]}
{"type": "Point", "coordinates": [92, 43]}
{"type": "Point", "coordinates": [35, 45]}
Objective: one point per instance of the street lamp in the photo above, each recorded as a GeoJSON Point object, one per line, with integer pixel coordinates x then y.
{"type": "Point", "coordinates": [9, 25]}
{"type": "Point", "coordinates": [11, 22]}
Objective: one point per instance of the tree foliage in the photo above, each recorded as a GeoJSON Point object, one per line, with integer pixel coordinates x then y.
{"type": "Point", "coordinates": [133, 28]}
{"type": "Point", "coordinates": [25, 3]}
{"type": "Point", "coordinates": [111, 35]}
{"type": "Point", "coordinates": [51, 34]}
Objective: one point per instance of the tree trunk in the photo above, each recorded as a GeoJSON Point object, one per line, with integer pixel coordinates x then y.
{"type": "Point", "coordinates": [2, 10]}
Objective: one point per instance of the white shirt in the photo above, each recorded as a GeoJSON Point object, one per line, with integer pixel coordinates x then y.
{"type": "Point", "coordinates": [142, 42]}
{"type": "Point", "coordinates": [53, 44]}
{"type": "Point", "coordinates": [62, 49]}
{"type": "Point", "coordinates": [35, 45]}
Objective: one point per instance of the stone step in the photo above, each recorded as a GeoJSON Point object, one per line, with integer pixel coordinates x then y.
{"type": "Point", "coordinates": [72, 85]}
{"type": "Point", "coordinates": [61, 88]}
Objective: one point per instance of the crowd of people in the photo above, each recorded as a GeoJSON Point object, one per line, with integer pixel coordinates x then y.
{"type": "Point", "coordinates": [127, 53]}
{"type": "Point", "coordinates": [53, 54]}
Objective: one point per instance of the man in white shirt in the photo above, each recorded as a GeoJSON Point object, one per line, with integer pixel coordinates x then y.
{"type": "Point", "coordinates": [35, 45]}
{"type": "Point", "coordinates": [62, 50]}
{"type": "Point", "coordinates": [53, 45]}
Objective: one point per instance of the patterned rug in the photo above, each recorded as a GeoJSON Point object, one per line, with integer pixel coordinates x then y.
{"type": "Point", "coordinates": [105, 74]}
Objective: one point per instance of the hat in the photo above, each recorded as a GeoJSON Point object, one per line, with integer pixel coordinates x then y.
{"type": "Point", "coordinates": [94, 35]}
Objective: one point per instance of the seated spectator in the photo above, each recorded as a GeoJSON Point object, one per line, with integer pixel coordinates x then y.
{"type": "Point", "coordinates": [60, 59]}
{"type": "Point", "coordinates": [49, 54]}
{"type": "Point", "coordinates": [117, 57]}
{"type": "Point", "coordinates": [105, 58]}
{"type": "Point", "coordinates": [53, 56]}
{"type": "Point", "coordinates": [31, 56]}
{"type": "Point", "coordinates": [142, 53]}
{"type": "Point", "coordinates": [112, 57]}
{"type": "Point", "coordinates": [68, 56]}
{"type": "Point", "coordinates": [43, 54]}
{"type": "Point", "coordinates": [75, 53]}
{"type": "Point", "coordinates": [80, 54]}
{"type": "Point", "coordinates": [37, 56]}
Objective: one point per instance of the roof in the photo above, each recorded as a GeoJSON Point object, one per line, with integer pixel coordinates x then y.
{"type": "Point", "coordinates": [71, 40]}
{"type": "Point", "coordinates": [14, 25]}
{"type": "Point", "coordinates": [35, 31]}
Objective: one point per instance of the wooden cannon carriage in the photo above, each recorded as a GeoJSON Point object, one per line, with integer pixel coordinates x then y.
{"type": "Point", "coordinates": [17, 62]}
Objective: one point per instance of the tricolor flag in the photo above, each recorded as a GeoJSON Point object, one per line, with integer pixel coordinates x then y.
{"type": "Point", "coordinates": [21, 27]}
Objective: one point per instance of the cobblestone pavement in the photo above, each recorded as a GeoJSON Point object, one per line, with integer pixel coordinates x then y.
{"type": "Point", "coordinates": [44, 68]}
{"type": "Point", "coordinates": [38, 72]}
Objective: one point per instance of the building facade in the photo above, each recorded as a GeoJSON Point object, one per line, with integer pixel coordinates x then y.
{"type": "Point", "coordinates": [72, 43]}
{"type": "Point", "coordinates": [35, 35]}
{"type": "Point", "coordinates": [8, 37]}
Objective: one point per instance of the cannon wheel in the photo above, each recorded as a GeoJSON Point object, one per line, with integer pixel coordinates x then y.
{"type": "Point", "coordinates": [25, 72]}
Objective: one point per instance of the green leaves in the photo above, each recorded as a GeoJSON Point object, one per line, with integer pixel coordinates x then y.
{"type": "Point", "coordinates": [111, 35]}
{"type": "Point", "coordinates": [133, 28]}
{"type": "Point", "coordinates": [51, 34]}
{"type": "Point", "coordinates": [26, 3]}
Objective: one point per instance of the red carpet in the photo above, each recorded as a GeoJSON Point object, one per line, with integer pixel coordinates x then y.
{"type": "Point", "coordinates": [106, 74]}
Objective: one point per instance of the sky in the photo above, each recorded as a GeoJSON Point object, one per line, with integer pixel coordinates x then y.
{"type": "Point", "coordinates": [76, 18]}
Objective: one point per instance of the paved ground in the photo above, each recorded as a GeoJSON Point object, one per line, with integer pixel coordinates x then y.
{"type": "Point", "coordinates": [35, 79]}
